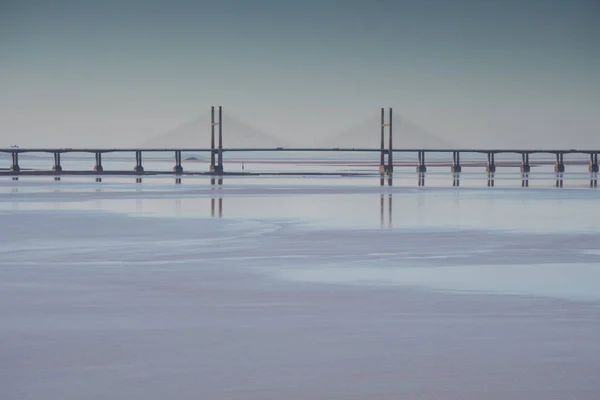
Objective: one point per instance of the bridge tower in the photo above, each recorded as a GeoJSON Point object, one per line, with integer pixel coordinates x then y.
{"type": "Point", "coordinates": [217, 167]}
{"type": "Point", "coordinates": [386, 168]}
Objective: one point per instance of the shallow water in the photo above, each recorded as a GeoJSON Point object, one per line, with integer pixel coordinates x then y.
{"type": "Point", "coordinates": [269, 287]}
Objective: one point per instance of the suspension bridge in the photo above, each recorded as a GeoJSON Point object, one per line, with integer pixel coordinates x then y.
{"type": "Point", "coordinates": [383, 156]}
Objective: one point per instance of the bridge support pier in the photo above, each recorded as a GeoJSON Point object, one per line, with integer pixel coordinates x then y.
{"type": "Point", "coordinates": [57, 167]}
{"type": "Point", "coordinates": [594, 163]}
{"type": "Point", "coordinates": [421, 167]}
{"type": "Point", "coordinates": [216, 169]}
{"type": "Point", "coordinates": [15, 163]}
{"type": "Point", "coordinates": [456, 168]}
{"type": "Point", "coordinates": [594, 170]}
{"type": "Point", "coordinates": [98, 167]}
{"type": "Point", "coordinates": [559, 167]}
{"type": "Point", "coordinates": [139, 169]}
{"type": "Point", "coordinates": [178, 169]}
{"type": "Point", "coordinates": [525, 167]}
{"type": "Point", "coordinates": [390, 181]}
{"type": "Point", "coordinates": [491, 164]}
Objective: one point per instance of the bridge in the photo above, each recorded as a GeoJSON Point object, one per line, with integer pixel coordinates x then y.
{"type": "Point", "coordinates": [216, 151]}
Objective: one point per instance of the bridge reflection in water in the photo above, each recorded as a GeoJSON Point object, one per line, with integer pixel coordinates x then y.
{"type": "Point", "coordinates": [491, 179]}
{"type": "Point", "coordinates": [382, 210]}
{"type": "Point", "coordinates": [217, 198]}
{"type": "Point", "coordinates": [386, 203]}
{"type": "Point", "coordinates": [213, 202]}
{"type": "Point", "coordinates": [388, 179]}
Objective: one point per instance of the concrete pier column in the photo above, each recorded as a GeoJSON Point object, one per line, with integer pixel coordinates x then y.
{"type": "Point", "coordinates": [525, 167]}
{"type": "Point", "coordinates": [178, 169]}
{"type": "Point", "coordinates": [456, 168]}
{"type": "Point", "coordinates": [383, 167]}
{"type": "Point", "coordinates": [421, 179]}
{"type": "Point", "coordinates": [491, 164]}
{"type": "Point", "coordinates": [559, 167]}
{"type": "Point", "coordinates": [421, 167]}
{"type": "Point", "coordinates": [98, 167]}
{"type": "Point", "coordinates": [390, 181]}
{"type": "Point", "coordinates": [594, 170]}
{"type": "Point", "coordinates": [139, 169]}
{"type": "Point", "coordinates": [15, 163]}
{"type": "Point", "coordinates": [214, 167]}
{"type": "Point", "coordinates": [594, 163]}
{"type": "Point", "coordinates": [57, 167]}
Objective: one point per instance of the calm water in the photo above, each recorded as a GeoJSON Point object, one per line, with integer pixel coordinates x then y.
{"type": "Point", "coordinates": [304, 287]}
{"type": "Point", "coordinates": [361, 204]}
{"type": "Point", "coordinates": [365, 201]}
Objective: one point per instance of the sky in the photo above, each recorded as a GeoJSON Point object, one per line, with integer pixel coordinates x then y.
{"type": "Point", "coordinates": [518, 73]}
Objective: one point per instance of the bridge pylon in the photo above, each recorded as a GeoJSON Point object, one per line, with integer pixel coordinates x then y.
{"type": "Point", "coordinates": [386, 168]}
{"type": "Point", "coordinates": [216, 152]}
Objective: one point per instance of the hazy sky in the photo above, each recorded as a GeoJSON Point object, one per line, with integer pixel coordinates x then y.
{"type": "Point", "coordinates": [486, 72]}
